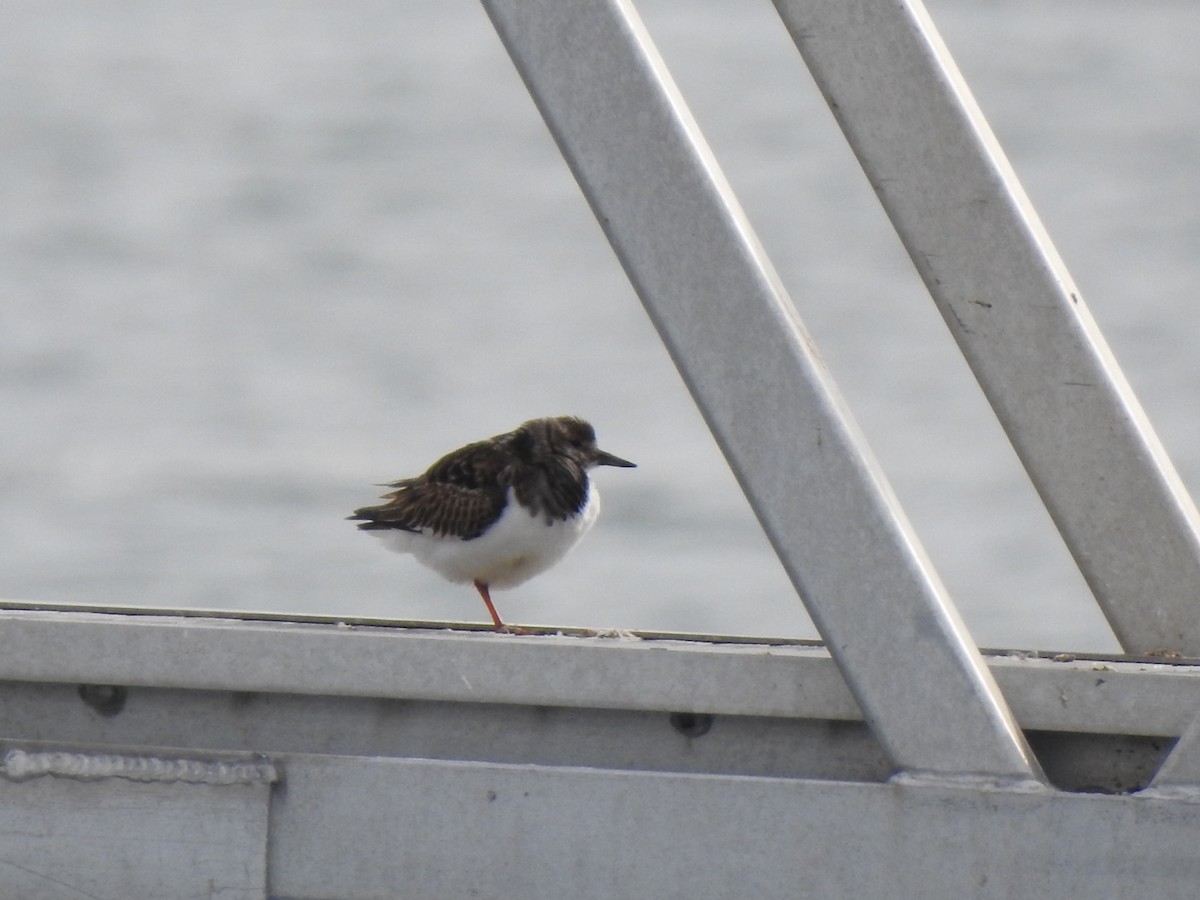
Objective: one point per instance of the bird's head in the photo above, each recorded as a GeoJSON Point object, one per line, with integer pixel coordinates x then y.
{"type": "Point", "coordinates": [569, 437]}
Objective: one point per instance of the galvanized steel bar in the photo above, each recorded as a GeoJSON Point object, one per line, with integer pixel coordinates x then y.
{"type": "Point", "coordinates": [727, 322]}
{"type": "Point", "coordinates": [1098, 695]}
{"type": "Point", "coordinates": [1013, 308]}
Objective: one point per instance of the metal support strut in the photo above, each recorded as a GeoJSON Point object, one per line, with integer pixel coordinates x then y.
{"type": "Point", "coordinates": [725, 318]}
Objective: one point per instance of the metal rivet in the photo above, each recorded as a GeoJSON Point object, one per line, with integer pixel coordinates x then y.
{"type": "Point", "coordinates": [105, 699]}
{"type": "Point", "coordinates": [691, 725]}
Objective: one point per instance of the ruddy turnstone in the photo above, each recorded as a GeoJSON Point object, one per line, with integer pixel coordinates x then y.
{"type": "Point", "coordinates": [497, 512]}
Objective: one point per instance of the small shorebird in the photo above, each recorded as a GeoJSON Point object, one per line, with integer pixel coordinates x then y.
{"type": "Point", "coordinates": [499, 511]}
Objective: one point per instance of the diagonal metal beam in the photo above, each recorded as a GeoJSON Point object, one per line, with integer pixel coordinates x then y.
{"type": "Point", "coordinates": [1014, 310]}
{"type": "Point", "coordinates": [727, 322]}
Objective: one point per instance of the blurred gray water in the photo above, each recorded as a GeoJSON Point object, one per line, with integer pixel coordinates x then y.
{"type": "Point", "coordinates": [256, 257]}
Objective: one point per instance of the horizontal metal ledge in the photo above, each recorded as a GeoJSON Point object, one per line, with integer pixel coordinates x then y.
{"type": "Point", "coordinates": [797, 680]}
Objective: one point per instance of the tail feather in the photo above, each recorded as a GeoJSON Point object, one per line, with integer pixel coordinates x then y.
{"type": "Point", "coordinates": [368, 520]}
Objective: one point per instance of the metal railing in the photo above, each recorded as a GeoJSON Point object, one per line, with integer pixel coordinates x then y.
{"type": "Point", "coordinates": [154, 754]}
{"type": "Point", "coordinates": [722, 312]}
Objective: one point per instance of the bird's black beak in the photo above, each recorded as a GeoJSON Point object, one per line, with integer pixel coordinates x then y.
{"type": "Point", "coordinates": [607, 459]}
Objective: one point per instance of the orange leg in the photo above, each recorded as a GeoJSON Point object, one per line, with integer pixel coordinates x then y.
{"type": "Point", "coordinates": [487, 599]}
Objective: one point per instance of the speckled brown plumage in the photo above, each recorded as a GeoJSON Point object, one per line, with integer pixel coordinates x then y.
{"type": "Point", "coordinates": [542, 465]}
{"type": "Point", "coordinates": [545, 461]}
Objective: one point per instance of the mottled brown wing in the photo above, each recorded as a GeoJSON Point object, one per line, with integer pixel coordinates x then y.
{"type": "Point", "coordinates": [475, 466]}
{"type": "Point", "coordinates": [460, 495]}
{"type": "Point", "coordinates": [436, 507]}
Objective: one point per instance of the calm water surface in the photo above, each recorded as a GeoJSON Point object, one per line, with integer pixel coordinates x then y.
{"type": "Point", "coordinates": [257, 257]}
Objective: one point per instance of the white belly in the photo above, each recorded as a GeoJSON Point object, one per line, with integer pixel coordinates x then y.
{"type": "Point", "coordinates": [517, 547]}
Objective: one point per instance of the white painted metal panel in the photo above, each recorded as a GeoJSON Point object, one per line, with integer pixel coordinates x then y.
{"type": "Point", "coordinates": [418, 829]}
{"type": "Point", "coordinates": [80, 826]}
